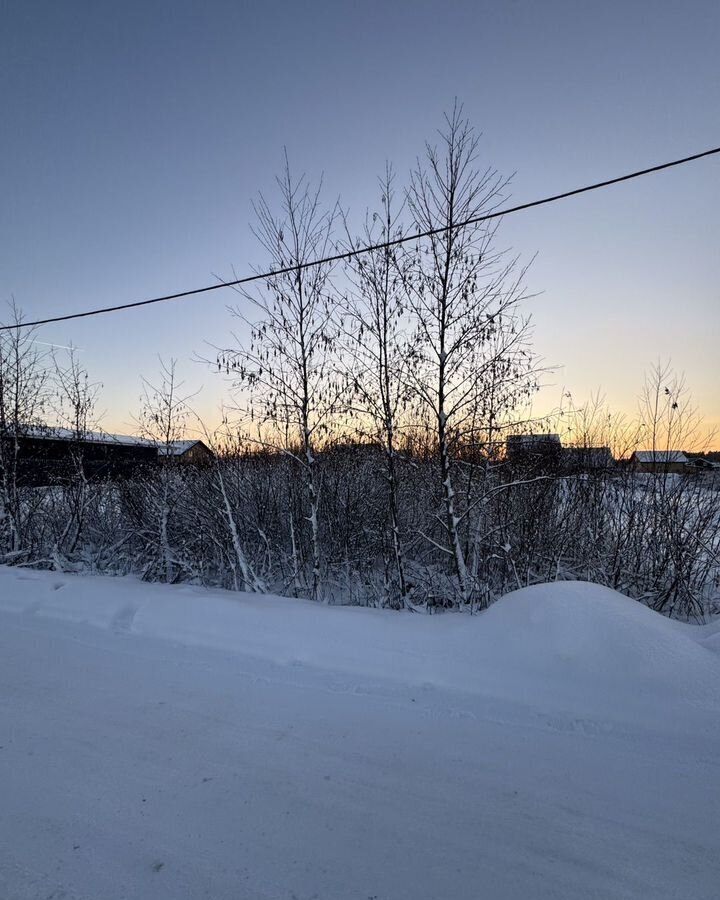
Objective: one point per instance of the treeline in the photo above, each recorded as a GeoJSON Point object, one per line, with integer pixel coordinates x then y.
{"type": "Point", "coordinates": [364, 461]}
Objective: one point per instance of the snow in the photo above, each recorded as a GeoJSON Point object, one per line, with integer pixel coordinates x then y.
{"type": "Point", "coordinates": [176, 448]}
{"type": "Point", "coordinates": [177, 742]}
{"type": "Point", "coordinates": [660, 456]}
{"type": "Point", "coordinates": [99, 437]}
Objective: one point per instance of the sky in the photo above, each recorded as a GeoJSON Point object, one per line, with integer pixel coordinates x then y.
{"type": "Point", "coordinates": [137, 134]}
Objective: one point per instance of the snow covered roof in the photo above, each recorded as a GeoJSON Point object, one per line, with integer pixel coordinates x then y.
{"type": "Point", "coordinates": [98, 437]}
{"type": "Point", "coordinates": [701, 463]}
{"type": "Point", "coordinates": [176, 448]}
{"type": "Point", "coordinates": [659, 456]}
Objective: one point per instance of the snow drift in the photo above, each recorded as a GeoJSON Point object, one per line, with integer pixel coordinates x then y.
{"type": "Point", "coordinates": [593, 640]}
{"type": "Point", "coordinates": [566, 645]}
{"type": "Point", "coordinates": [169, 743]}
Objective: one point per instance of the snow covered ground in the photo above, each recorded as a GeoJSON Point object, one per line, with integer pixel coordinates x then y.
{"type": "Point", "coordinates": [175, 742]}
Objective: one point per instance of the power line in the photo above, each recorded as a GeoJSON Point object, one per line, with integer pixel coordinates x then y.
{"type": "Point", "coordinates": [337, 257]}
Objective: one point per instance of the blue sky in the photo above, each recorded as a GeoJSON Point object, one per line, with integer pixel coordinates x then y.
{"type": "Point", "coordinates": [136, 135]}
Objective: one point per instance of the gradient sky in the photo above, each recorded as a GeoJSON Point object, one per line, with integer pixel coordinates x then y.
{"type": "Point", "coordinates": [135, 135]}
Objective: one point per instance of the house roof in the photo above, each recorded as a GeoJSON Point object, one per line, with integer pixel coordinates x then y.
{"type": "Point", "coordinates": [659, 456]}
{"type": "Point", "coordinates": [177, 448]}
{"type": "Point", "coordinates": [703, 463]}
{"type": "Point", "coordinates": [52, 433]}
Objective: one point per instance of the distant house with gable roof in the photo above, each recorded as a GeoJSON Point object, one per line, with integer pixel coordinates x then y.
{"type": "Point", "coordinates": [195, 452]}
{"type": "Point", "coordinates": [659, 461]}
{"type": "Point", "coordinates": [48, 455]}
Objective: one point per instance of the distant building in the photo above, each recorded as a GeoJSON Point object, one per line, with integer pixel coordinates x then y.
{"type": "Point", "coordinates": [587, 459]}
{"type": "Point", "coordinates": [659, 461]}
{"type": "Point", "coordinates": [51, 455]}
{"type": "Point", "coordinates": [534, 450]}
{"type": "Point", "coordinates": [195, 452]}
{"type": "Point", "coordinates": [700, 464]}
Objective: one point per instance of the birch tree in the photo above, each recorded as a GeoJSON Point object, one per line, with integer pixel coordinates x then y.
{"type": "Point", "coordinates": [227, 496]}
{"type": "Point", "coordinates": [162, 421]}
{"type": "Point", "coordinates": [286, 369]}
{"type": "Point", "coordinates": [464, 293]}
{"type": "Point", "coordinates": [75, 399]}
{"type": "Point", "coordinates": [24, 388]}
{"type": "Point", "coordinates": [376, 346]}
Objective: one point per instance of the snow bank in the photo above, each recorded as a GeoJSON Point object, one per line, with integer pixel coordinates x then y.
{"type": "Point", "coordinates": [563, 646]}
{"type": "Point", "coordinates": [595, 641]}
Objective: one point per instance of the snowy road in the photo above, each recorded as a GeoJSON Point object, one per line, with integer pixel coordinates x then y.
{"type": "Point", "coordinates": [137, 767]}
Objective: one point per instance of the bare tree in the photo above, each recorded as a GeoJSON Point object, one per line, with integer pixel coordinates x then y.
{"type": "Point", "coordinates": [679, 514]}
{"type": "Point", "coordinates": [464, 293]}
{"type": "Point", "coordinates": [287, 368]}
{"type": "Point", "coordinates": [228, 495]}
{"type": "Point", "coordinates": [667, 418]}
{"type": "Point", "coordinates": [376, 345]}
{"type": "Point", "coordinates": [75, 399]}
{"type": "Point", "coordinates": [24, 383]}
{"type": "Point", "coordinates": [163, 418]}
